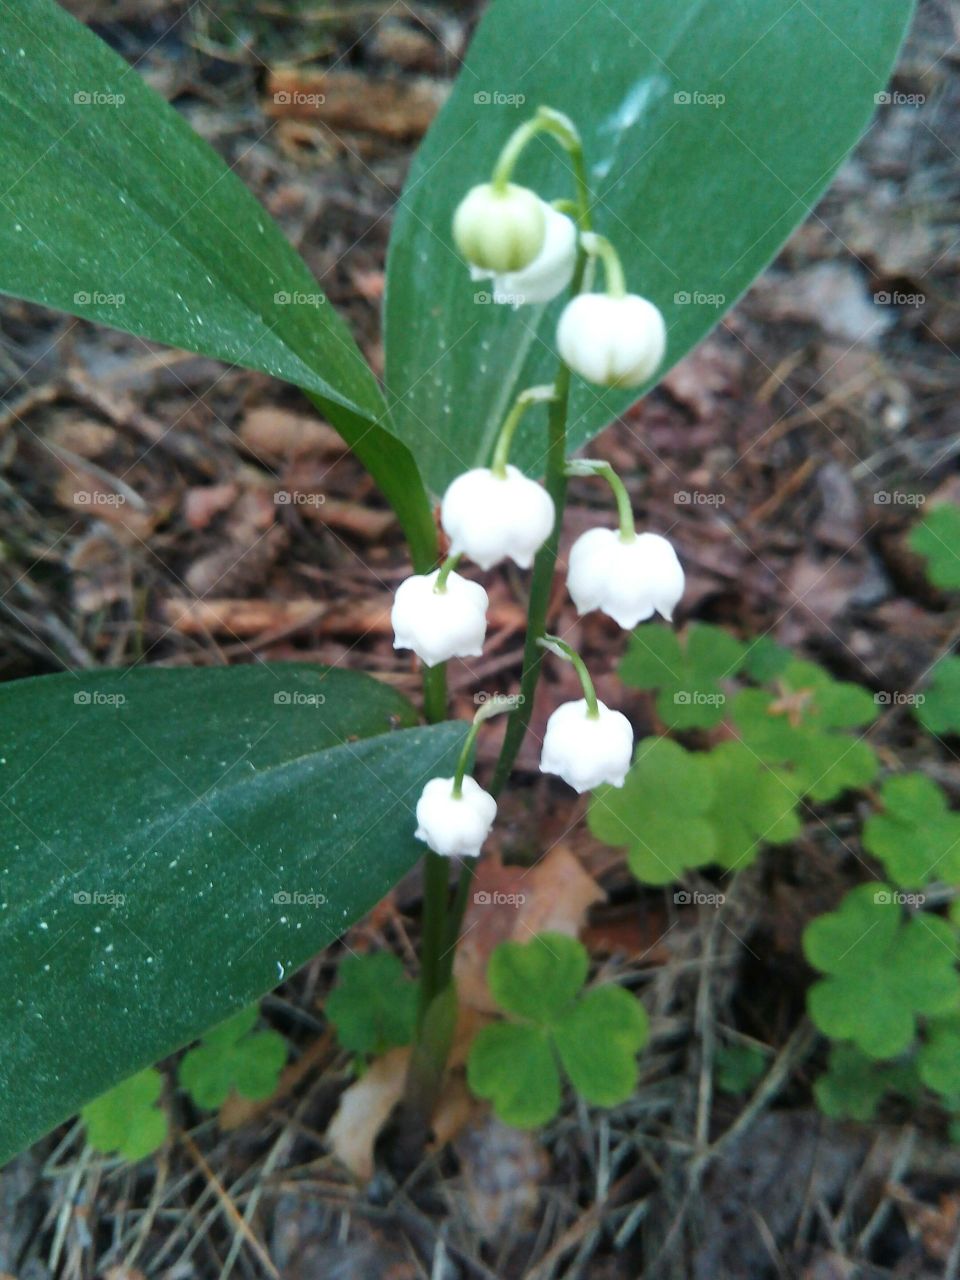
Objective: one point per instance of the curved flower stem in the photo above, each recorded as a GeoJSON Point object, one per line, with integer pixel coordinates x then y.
{"type": "Point", "coordinates": [554, 645]}
{"type": "Point", "coordinates": [434, 681]}
{"type": "Point", "coordinates": [560, 127]}
{"type": "Point", "coordinates": [600, 247]}
{"type": "Point", "coordinates": [446, 569]}
{"type": "Point", "coordinates": [501, 453]}
{"type": "Point", "coordinates": [588, 467]}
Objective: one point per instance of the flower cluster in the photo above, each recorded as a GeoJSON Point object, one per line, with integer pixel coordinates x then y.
{"type": "Point", "coordinates": [533, 250]}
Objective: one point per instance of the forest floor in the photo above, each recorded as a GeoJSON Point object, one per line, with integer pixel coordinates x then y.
{"type": "Point", "coordinates": [805, 433]}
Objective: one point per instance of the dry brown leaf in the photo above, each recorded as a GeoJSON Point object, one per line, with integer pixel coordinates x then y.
{"type": "Point", "coordinates": [396, 108]}
{"type": "Point", "coordinates": [204, 501]}
{"type": "Point", "coordinates": [273, 435]}
{"type": "Point", "coordinates": [514, 903]}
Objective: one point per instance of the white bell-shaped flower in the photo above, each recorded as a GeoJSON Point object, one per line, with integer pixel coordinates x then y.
{"type": "Point", "coordinates": [500, 228]}
{"type": "Point", "coordinates": [586, 750]}
{"type": "Point", "coordinates": [489, 517]}
{"type": "Point", "coordinates": [437, 625]}
{"type": "Point", "coordinates": [613, 341]}
{"type": "Point", "coordinates": [629, 580]}
{"type": "Point", "coordinates": [548, 274]}
{"type": "Point", "coordinates": [455, 826]}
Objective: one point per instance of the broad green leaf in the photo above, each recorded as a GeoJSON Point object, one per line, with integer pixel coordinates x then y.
{"type": "Point", "coordinates": [765, 659]}
{"type": "Point", "coordinates": [939, 708]}
{"type": "Point", "coordinates": [128, 1119]}
{"type": "Point", "coordinates": [116, 211]}
{"type": "Point", "coordinates": [598, 1039]}
{"type": "Point", "coordinates": [686, 674]}
{"type": "Point", "coordinates": [916, 837]}
{"type": "Point", "coordinates": [233, 1058]}
{"type": "Point", "coordinates": [513, 1064]}
{"type": "Point", "coordinates": [883, 971]}
{"type": "Point", "coordinates": [539, 978]}
{"type": "Point", "coordinates": [175, 843]}
{"type": "Point", "coordinates": [937, 538]}
{"type": "Point", "coordinates": [660, 813]}
{"type": "Point", "coordinates": [752, 805]}
{"type": "Point", "coordinates": [697, 193]}
{"type": "Point", "coordinates": [374, 1004]}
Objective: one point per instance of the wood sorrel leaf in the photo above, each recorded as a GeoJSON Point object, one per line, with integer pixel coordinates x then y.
{"type": "Point", "coordinates": [116, 211]}
{"type": "Point", "coordinates": [177, 842]}
{"type": "Point", "coordinates": [710, 130]}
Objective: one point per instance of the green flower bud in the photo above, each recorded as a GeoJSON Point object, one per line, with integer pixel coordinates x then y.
{"type": "Point", "coordinates": [500, 228]}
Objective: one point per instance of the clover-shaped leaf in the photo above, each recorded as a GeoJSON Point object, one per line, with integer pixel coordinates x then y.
{"type": "Point", "coordinates": [660, 813]}
{"type": "Point", "coordinates": [882, 971]}
{"type": "Point", "coordinates": [938, 1061]}
{"type": "Point", "coordinates": [374, 1004]}
{"type": "Point", "coordinates": [752, 805]}
{"type": "Point", "coordinates": [686, 674]}
{"type": "Point", "coordinates": [916, 837]}
{"type": "Point", "coordinates": [853, 1084]}
{"type": "Point", "coordinates": [939, 711]}
{"type": "Point", "coordinates": [738, 1066]}
{"type": "Point", "coordinates": [764, 659]}
{"type": "Point", "coordinates": [937, 539]}
{"type": "Point", "coordinates": [594, 1036]}
{"type": "Point", "coordinates": [800, 727]}
{"type": "Point", "coordinates": [234, 1058]}
{"type": "Point", "coordinates": [127, 1118]}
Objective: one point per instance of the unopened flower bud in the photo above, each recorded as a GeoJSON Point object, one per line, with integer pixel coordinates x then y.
{"type": "Point", "coordinates": [455, 826]}
{"type": "Point", "coordinates": [490, 518]}
{"type": "Point", "coordinates": [629, 580]}
{"type": "Point", "coordinates": [586, 750]}
{"type": "Point", "coordinates": [613, 341]}
{"type": "Point", "coordinates": [440, 624]}
{"type": "Point", "coordinates": [548, 274]}
{"type": "Point", "coordinates": [500, 228]}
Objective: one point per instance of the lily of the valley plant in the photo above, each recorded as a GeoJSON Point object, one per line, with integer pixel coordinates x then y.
{"type": "Point", "coordinates": [179, 841]}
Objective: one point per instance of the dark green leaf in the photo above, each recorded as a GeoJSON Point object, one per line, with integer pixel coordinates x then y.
{"type": "Point", "coordinates": [687, 675]}
{"type": "Point", "coordinates": [230, 1059]}
{"type": "Point", "coordinates": [539, 978]}
{"type": "Point", "coordinates": [177, 842]}
{"type": "Point", "coordinates": [939, 705]}
{"type": "Point", "coordinates": [917, 837]}
{"type": "Point", "coordinates": [598, 1039]}
{"type": "Point", "coordinates": [697, 197]}
{"type": "Point", "coordinates": [116, 211]}
{"type": "Point", "coordinates": [937, 539]}
{"type": "Point", "coordinates": [374, 1004]}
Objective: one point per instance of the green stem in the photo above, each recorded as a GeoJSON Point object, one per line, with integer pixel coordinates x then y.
{"type": "Point", "coordinates": [588, 467]}
{"type": "Point", "coordinates": [435, 893]}
{"type": "Point", "coordinates": [541, 581]}
{"type": "Point", "coordinates": [560, 127]}
{"type": "Point", "coordinates": [446, 569]}
{"type": "Point", "coordinates": [600, 247]}
{"type": "Point", "coordinates": [554, 645]}
{"type": "Point", "coordinates": [501, 453]}
{"type": "Point", "coordinates": [434, 681]}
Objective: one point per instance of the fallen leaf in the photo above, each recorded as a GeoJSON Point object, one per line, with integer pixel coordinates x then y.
{"type": "Point", "coordinates": [513, 902]}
